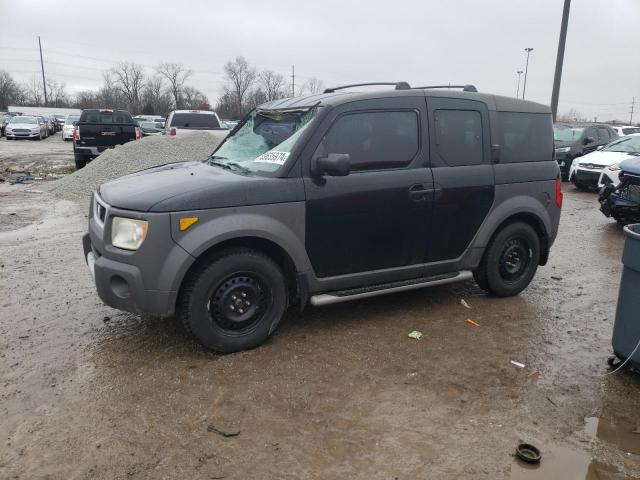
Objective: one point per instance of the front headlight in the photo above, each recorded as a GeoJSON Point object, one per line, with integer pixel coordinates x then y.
{"type": "Point", "coordinates": [563, 149]}
{"type": "Point", "coordinates": [128, 233]}
{"type": "Point", "coordinates": [615, 167]}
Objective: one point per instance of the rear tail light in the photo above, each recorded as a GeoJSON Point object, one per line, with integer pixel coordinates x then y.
{"type": "Point", "coordinates": [138, 133]}
{"type": "Point", "coordinates": [172, 131]}
{"type": "Point", "coordinates": [558, 193]}
{"type": "Point", "coordinates": [76, 133]}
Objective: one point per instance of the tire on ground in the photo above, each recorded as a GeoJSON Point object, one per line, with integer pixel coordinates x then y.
{"type": "Point", "coordinates": [80, 160]}
{"type": "Point", "coordinates": [200, 315]}
{"type": "Point", "coordinates": [490, 274]}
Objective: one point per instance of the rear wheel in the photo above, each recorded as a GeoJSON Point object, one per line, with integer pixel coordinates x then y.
{"type": "Point", "coordinates": [234, 302]}
{"type": "Point", "coordinates": [510, 261]}
{"type": "Point", "coordinates": [80, 160]}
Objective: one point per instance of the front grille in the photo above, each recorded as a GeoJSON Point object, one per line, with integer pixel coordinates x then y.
{"type": "Point", "coordinates": [21, 130]}
{"type": "Point", "coordinates": [587, 177]}
{"type": "Point", "coordinates": [591, 166]}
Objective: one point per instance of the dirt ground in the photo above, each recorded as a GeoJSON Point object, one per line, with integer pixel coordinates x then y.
{"type": "Point", "coordinates": [87, 392]}
{"type": "Point", "coordinates": [46, 159]}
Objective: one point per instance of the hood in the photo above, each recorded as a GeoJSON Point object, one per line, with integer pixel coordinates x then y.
{"type": "Point", "coordinates": [604, 159]}
{"type": "Point", "coordinates": [631, 165]}
{"type": "Point", "coordinates": [196, 186]}
{"type": "Point", "coordinates": [23, 125]}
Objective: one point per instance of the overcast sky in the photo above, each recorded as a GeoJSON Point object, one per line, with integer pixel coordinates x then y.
{"type": "Point", "coordinates": [421, 41]}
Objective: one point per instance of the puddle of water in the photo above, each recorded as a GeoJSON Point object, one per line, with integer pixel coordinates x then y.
{"type": "Point", "coordinates": [616, 432]}
{"type": "Point", "coordinates": [563, 463]}
{"type": "Point", "coordinates": [566, 463]}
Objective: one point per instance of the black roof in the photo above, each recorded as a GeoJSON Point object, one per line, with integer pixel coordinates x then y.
{"type": "Point", "coordinates": [333, 98]}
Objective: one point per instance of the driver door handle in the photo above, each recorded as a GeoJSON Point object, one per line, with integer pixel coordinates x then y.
{"type": "Point", "coordinates": [418, 193]}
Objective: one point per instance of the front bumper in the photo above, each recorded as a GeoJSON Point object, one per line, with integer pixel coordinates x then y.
{"type": "Point", "coordinates": [585, 177]}
{"type": "Point", "coordinates": [121, 285]}
{"type": "Point", "coordinates": [23, 135]}
{"type": "Point", "coordinates": [609, 177]}
{"type": "Point", "coordinates": [146, 281]}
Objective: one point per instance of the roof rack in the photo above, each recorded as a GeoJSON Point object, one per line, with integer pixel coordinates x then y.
{"type": "Point", "coordinates": [398, 86]}
{"type": "Point", "coordinates": [465, 88]}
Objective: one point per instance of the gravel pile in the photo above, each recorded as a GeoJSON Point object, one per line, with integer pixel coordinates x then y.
{"type": "Point", "coordinates": [133, 157]}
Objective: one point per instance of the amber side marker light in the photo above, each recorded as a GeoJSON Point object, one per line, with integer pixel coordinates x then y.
{"type": "Point", "coordinates": [186, 222]}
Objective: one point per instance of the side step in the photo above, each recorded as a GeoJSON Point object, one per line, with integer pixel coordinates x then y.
{"type": "Point", "coordinates": [384, 288]}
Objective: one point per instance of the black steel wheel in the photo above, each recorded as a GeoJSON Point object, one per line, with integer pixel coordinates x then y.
{"type": "Point", "coordinates": [234, 301]}
{"type": "Point", "coordinates": [238, 303]}
{"type": "Point", "coordinates": [510, 260]}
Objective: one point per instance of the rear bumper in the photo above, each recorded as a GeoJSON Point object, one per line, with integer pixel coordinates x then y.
{"type": "Point", "coordinates": [95, 151]}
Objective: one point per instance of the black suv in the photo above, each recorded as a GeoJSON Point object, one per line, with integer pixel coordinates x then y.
{"type": "Point", "coordinates": [328, 198]}
{"type": "Point", "coordinates": [576, 139]}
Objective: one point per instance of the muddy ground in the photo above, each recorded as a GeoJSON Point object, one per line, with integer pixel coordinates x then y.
{"type": "Point", "coordinates": [87, 392]}
{"type": "Point", "coordinates": [46, 159]}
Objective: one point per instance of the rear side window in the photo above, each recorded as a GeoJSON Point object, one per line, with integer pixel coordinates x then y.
{"type": "Point", "coordinates": [524, 137]}
{"type": "Point", "coordinates": [374, 140]}
{"type": "Point", "coordinates": [94, 116]}
{"type": "Point", "coordinates": [603, 135]}
{"type": "Point", "coordinates": [194, 120]}
{"type": "Point", "coordinates": [629, 131]}
{"type": "Point", "coordinates": [458, 136]}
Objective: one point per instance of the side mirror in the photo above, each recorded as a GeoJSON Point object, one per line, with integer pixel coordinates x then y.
{"type": "Point", "coordinates": [588, 140]}
{"type": "Point", "coordinates": [75, 123]}
{"type": "Point", "coordinates": [599, 147]}
{"type": "Point", "coordinates": [333, 164]}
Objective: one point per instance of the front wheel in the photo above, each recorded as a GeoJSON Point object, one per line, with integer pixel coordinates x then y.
{"type": "Point", "coordinates": [510, 261]}
{"type": "Point", "coordinates": [234, 302]}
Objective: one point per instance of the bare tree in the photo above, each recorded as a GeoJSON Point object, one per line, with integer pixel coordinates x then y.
{"type": "Point", "coordinates": [10, 91]}
{"type": "Point", "coordinates": [241, 78]}
{"type": "Point", "coordinates": [129, 78]}
{"type": "Point", "coordinates": [34, 93]}
{"type": "Point", "coordinates": [195, 99]}
{"type": "Point", "coordinates": [312, 86]}
{"type": "Point", "coordinates": [156, 98]}
{"type": "Point", "coordinates": [272, 85]}
{"type": "Point", "coordinates": [176, 75]}
{"type": "Point", "coordinates": [57, 94]}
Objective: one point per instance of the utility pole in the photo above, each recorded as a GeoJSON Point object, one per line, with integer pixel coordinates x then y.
{"type": "Point", "coordinates": [519, 72]}
{"type": "Point", "coordinates": [633, 104]}
{"type": "Point", "coordinates": [44, 83]}
{"type": "Point", "coordinates": [526, 71]}
{"type": "Point", "coordinates": [293, 80]}
{"type": "Point", "coordinates": [560, 59]}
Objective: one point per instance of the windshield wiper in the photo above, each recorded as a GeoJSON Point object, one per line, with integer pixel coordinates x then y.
{"type": "Point", "coordinates": [228, 165]}
{"type": "Point", "coordinates": [237, 166]}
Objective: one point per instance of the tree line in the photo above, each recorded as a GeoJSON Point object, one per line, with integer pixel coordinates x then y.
{"type": "Point", "coordinates": [127, 86]}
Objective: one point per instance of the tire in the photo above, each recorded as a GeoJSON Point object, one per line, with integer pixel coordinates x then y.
{"type": "Point", "coordinates": [214, 295]}
{"type": "Point", "coordinates": [510, 260]}
{"type": "Point", "coordinates": [81, 160]}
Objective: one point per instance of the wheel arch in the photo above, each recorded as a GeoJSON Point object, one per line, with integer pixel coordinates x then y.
{"type": "Point", "coordinates": [536, 223]}
{"type": "Point", "coordinates": [256, 243]}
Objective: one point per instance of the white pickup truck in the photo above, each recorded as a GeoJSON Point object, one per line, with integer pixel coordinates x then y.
{"type": "Point", "coordinates": [183, 122]}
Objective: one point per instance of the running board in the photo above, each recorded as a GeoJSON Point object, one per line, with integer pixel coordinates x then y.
{"type": "Point", "coordinates": [383, 289]}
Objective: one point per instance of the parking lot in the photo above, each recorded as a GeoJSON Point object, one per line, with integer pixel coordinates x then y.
{"type": "Point", "coordinates": [47, 158]}
{"type": "Point", "coordinates": [91, 392]}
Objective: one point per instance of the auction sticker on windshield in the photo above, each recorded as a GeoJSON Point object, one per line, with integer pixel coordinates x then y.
{"type": "Point", "coordinates": [273, 157]}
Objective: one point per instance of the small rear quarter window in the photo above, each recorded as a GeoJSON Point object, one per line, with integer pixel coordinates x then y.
{"type": "Point", "coordinates": [524, 137]}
